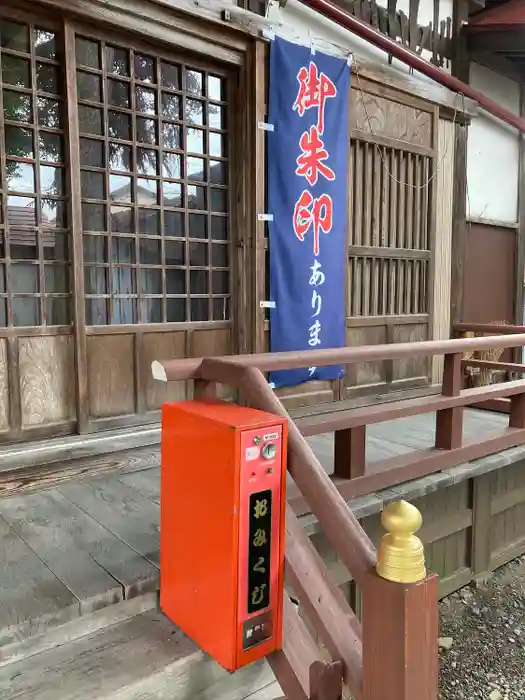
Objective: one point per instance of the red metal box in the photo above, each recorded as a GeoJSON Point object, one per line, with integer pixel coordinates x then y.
{"type": "Point", "coordinates": [223, 506]}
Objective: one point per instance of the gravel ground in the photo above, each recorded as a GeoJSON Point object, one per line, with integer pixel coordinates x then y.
{"type": "Point", "coordinates": [482, 642]}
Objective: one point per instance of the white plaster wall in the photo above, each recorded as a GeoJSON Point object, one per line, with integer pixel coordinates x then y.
{"type": "Point", "coordinates": [493, 152]}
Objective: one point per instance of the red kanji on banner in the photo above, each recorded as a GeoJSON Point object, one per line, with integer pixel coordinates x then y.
{"type": "Point", "coordinates": [310, 164]}
{"type": "Point", "coordinates": [314, 90]}
{"type": "Point", "coordinates": [316, 213]}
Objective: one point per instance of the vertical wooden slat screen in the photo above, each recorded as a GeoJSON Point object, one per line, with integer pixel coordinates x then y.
{"type": "Point", "coordinates": [393, 153]}
{"type": "Point", "coordinates": [389, 247]}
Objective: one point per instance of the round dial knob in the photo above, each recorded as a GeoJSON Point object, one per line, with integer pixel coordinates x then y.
{"type": "Point", "coordinates": [269, 450]}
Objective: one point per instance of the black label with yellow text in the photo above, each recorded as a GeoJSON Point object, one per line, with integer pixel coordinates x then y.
{"type": "Point", "coordinates": [259, 549]}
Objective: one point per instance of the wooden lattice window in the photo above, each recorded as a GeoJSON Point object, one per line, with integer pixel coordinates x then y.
{"type": "Point", "coordinates": [154, 187]}
{"type": "Point", "coordinates": [390, 223]}
{"type": "Point", "coordinates": [34, 238]}
{"type": "Point", "coordinates": [257, 6]}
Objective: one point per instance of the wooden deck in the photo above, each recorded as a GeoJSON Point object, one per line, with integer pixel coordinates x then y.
{"type": "Point", "coordinates": [140, 658]}
{"type": "Point", "coordinates": [83, 545]}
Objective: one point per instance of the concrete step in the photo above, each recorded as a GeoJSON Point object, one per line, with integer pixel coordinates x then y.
{"type": "Point", "coordinates": [143, 657]}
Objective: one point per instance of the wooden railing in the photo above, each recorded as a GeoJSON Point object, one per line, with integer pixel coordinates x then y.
{"type": "Point", "coordinates": [393, 649]}
{"type": "Point", "coordinates": [493, 370]}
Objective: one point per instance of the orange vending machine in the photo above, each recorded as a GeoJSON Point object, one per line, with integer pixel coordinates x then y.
{"type": "Point", "coordinates": [222, 527]}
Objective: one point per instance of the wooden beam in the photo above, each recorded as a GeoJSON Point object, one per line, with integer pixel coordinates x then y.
{"type": "Point", "coordinates": [298, 667]}
{"type": "Point", "coordinates": [350, 452]}
{"type": "Point", "coordinates": [380, 413]}
{"type": "Point", "coordinates": [517, 411]}
{"type": "Point", "coordinates": [459, 56]}
{"type": "Point", "coordinates": [459, 225]}
{"type": "Point", "coordinates": [481, 524]}
{"type": "Point", "coordinates": [323, 602]}
{"type": "Point", "coordinates": [460, 69]}
{"type": "Point", "coordinates": [326, 681]}
{"type": "Point", "coordinates": [504, 40]}
{"type": "Point", "coordinates": [449, 423]}
{"type": "Point", "coordinates": [258, 252]}
{"type": "Point", "coordinates": [519, 298]}
{"type": "Point", "coordinates": [77, 254]}
{"type": "Point", "coordinates": [499, 63]}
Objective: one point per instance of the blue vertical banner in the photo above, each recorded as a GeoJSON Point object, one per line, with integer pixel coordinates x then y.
{"type": "Point", "coordinates": [307, 198]}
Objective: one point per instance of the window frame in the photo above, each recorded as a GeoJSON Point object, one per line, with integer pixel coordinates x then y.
{"type": "Point", "coordinates": [72, 177]}
{"type": "Point", "coordinates": [34, 21]}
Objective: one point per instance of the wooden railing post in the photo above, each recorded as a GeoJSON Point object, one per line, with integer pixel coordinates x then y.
{"type": "Point", "coordinates": [400, 615]}
{"type": "Point", "coordinates": [350, 452]}
{"type": "Point", "coordinates": [204, 389]}
{"type": "Point", "coordinates": [449, 421]}
{"type": "Point", "coordinates": [326, 681]}
{"type": "Point", "coordinates": [517, 411]}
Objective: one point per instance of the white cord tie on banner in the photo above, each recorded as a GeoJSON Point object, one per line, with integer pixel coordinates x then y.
{"type": "Point", "coordinates": [268, 33]}
{"type": "Point", "coordinates": [263, 126]}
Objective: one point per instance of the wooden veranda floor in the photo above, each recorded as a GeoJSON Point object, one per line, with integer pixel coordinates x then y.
{"type": "Point", "coordinates": [82, 545]}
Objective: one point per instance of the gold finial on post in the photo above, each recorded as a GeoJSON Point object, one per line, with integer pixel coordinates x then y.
{"type": "Point", "coordinates": [401, 557]}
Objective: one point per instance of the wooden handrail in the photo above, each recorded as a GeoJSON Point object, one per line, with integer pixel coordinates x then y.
{"type": "Point", "coordinates": [336, 622]}
{"type": "Point", "coordinates": [489, 364]}
{"type": "Point", "coordinates": [300, 655]}
{"type": "Point", "coordinates": [324, 603]}
{"type": "Point", "coordinates": [301, 673]}
{"type": "Point", "coordinates": [493, 328]}
{"type": "Point", "coordinates": [379, 413]}
{"type": "Point", "coordinates": [319, 493]}
{"type": "Point", "coordinates": [177, 370]}
{"type": "Point", "coordinates": [339, 523]}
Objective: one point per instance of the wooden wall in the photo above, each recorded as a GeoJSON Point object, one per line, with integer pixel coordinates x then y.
{"type": "Point", "coordinates": [119, 367]}
{"type": "Point", "coordinates": [489, 273]}
{"type": "Point", "coordinates": [37, 386]}
{"type": "Point", "coordinates": [46, 366]}
{"type": "Point", "coordinates": [38, 395]}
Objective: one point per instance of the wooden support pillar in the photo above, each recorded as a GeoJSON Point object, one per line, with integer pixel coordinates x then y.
{"type": "Point", "coordinates": [400, 615]}
{"type": "Point", "coordinates": [203, 389]}
{"type": "Point", "coordinates": [517, 411]}
{"type": "Point", "coordinates": [326, 681]}
{"type": "Point", "coordinates": [460, 69]}
{"type": "Point", "coordinates": [481, 525]}
{"type": "Point", "coordinates": [298, 667]}
{"type": "Point", "coordinates": [519, 255]}
{"type": "Point", "coordinates": [400, 639]}
{"type": "Point", "coordinates": [449, 421]}
{"type": "Point", "coordinates": [350, 452]}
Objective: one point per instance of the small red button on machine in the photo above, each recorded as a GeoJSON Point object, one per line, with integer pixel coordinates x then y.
{"type": "Point", "coordinates": [223, 501]}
